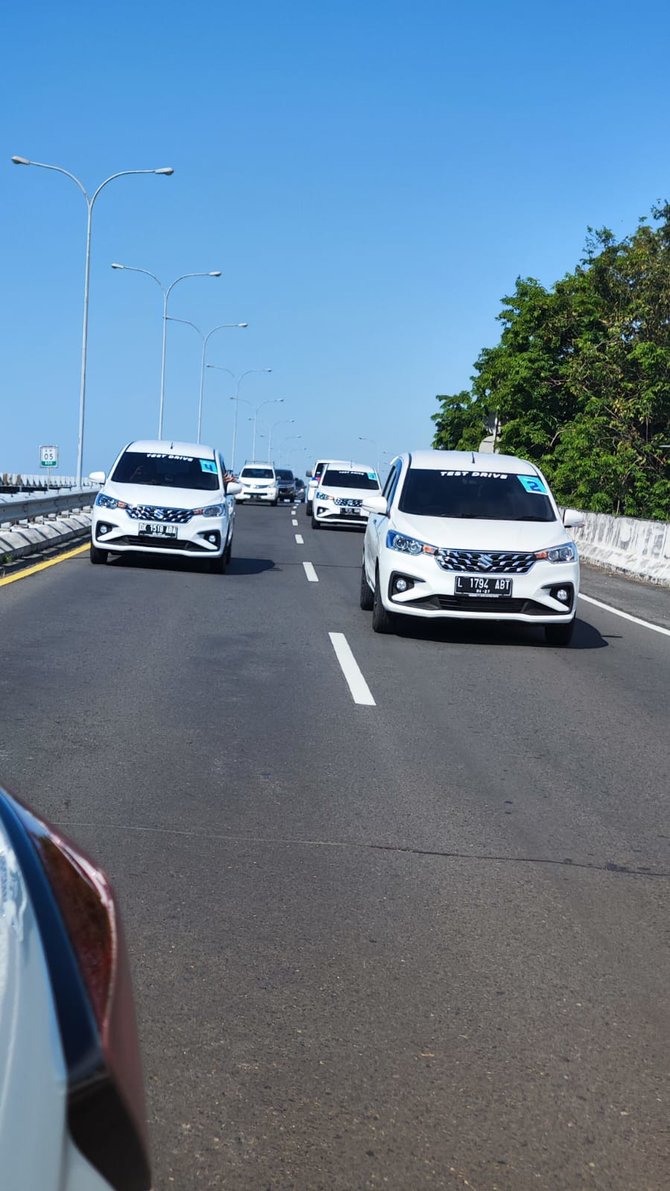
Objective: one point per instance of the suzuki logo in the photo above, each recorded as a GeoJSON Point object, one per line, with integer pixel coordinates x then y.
{"type": "Point", "coordinates": [159, 514]}
{"type": "Point", "coordinates": [485, 562]}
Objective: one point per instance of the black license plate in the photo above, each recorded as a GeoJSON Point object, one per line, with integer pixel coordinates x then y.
{"type": "Point", "coordinates": [483, 585]}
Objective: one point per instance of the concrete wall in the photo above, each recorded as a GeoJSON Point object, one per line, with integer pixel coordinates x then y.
{"type": "Point", "coordinates": [19, 541]}
{"type": "Point", "coordinates": [638, 548]}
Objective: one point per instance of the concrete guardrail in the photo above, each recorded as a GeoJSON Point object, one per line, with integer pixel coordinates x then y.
{"type": "Point", "coordinates": [637, 548]}
{"type": "Point", "coordinates": [32, 524]}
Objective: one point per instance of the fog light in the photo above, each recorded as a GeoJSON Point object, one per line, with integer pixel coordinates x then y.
{"type": "Point", "coordinates": [401, 585]}
{"type": "Point", "coordinates": [563, 595]}
{"type": "Point", "coordinates": [211, 537]}
{"type": "Point", "coordinates": [102, 529]}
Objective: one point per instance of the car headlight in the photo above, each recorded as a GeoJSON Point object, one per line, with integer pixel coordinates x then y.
{"type": "Point", "coordinates": [404, 545]}
{"type": "Point", "coordinates": [210, 511]}
{"type": "Point", "coordinates": [565, 553]}
{"type": "Point", "coordinates": [109, 502]}
{"type": "Point", "coordinates": [323, 495]}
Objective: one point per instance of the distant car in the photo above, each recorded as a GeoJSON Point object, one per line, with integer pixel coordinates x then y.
{"type": "Point", "coordinates": [285, 483]}
{"type": "Point", "coordinates": [72, 1114]}
{"type": "Point", "coordinates": [470, 536]}
{"type": "Point", "coordinates": [340, 494]}
{"type": "Point", "coordinates": [258, 482]}
{"type": "Point", "coordinates": [313, 480]}
{"type": "Point", "coordinates": [299, 489]}
{"type": "Point", "coordinates": [166, 497]}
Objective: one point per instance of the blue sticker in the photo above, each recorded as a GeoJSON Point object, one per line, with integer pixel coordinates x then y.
{"type": "Point", "coordinates": [208, 465]}
{"type": "Point", "coordinates": [532, 484]}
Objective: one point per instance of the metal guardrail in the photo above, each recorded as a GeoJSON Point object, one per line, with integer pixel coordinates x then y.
{"type": "Point", "coordinates": [14, 509]}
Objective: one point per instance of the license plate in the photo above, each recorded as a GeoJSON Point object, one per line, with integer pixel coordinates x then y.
{"type": "Point", "coordinates": [159, 531]}
{"type": "Point", "coordinates": [483, 585]}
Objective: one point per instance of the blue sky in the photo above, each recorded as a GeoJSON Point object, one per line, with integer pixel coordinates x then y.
{"type": "Point", "coordinates": [370, 178]}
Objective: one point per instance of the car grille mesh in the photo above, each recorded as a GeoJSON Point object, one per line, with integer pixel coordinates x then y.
{"type": "Point", "coordinates": [155, 513]}
{"type": "Point", "coordinates": [349, 503]}
{"type": "Point", "coordinates": [485, 562]}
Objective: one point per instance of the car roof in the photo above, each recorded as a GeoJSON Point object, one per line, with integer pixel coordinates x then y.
{"type": "Point", "coordinates": [170, 446]}
{"type": "Point", "coordinates": [347, 465]}
{"type": "Point", "coordinates": [258, 463]}
{"type": "Point", "coordinates": [481, 461]}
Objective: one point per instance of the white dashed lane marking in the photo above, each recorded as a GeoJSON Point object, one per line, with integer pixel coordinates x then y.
{"type": "Point", "coordinates": [360, 691]}
{"type": "Point", "coordinates": [299, 539]}
{"type": "Point", "coordinates": [294, 522]}
{"type": "Point", "coordinates": [310, 572]}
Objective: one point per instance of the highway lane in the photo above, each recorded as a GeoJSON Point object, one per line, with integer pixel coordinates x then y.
{"type": "Point", "coordinates": [405, 945]}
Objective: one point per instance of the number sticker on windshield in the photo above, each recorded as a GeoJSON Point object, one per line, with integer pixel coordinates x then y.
{"type": "Point", "coordinates": [208, 465]}
{"type": "Point", "coordinates": [532, 484]}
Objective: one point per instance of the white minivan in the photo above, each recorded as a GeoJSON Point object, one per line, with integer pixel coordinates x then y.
{"type": "Point", "coordinates": [469, 536]}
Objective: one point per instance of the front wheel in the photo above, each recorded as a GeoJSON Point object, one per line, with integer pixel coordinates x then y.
{"type": "Point", "coordinates": [382, 621]}
{"type": "Point", "coordinates": [217, 566]}
{"type": "Point", "coordinates": [98, 557]}
{"type": "Point", "coordinates": [367, 594]}
{"type": "Point", "coordinates": [308, 508]}
{"type": "Point", "coordinates": [315, 524]}
{"type": "Point", "coordinates": [559, 634]}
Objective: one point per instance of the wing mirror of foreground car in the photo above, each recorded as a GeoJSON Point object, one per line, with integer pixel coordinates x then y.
{"type": "Point", "coordinates": [573, 518]}
{"type": "Point", "coordinates": [96, 477]}
{"type": "Point", "coordinates": [233, 488]}
{"type": "Point", "coordinates": [375, 504]}
{"type": "Point", "coordinates": [47, 882]}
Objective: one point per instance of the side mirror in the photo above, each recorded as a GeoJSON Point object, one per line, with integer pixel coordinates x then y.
{"type": "Point", "coordinates": [308, 474]}
{"type": "Point", "coordinates": [376, 504]}
{"type": "Point", "coordinates": [573, 518]}
{"type": "Point", "coordinates": [233, 488]}
{"type": "Point", "coordinates": [97, 477]}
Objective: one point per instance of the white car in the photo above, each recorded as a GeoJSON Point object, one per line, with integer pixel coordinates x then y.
{"type": "Point", "coordinates": [72, 1114]}
{"type": "Point", "coordinates": [313, 477]}
{"type": "Point", "coordinates": [471, 536]}
{"type": "Point", "coordinates": [170, 497]}
{"type": "Point", "coordinates": [258, 482]}
{"type": "Point", "coordinates": [340, 493]}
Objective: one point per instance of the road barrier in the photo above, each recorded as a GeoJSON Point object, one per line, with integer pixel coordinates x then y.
{"type": "Point", "coordinates": [32, 524]}
{"type": "Point", "coordinates": [638, 548]}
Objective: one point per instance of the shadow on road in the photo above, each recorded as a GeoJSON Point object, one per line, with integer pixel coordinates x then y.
{"type": "Point", "coordinates": [249, 566]}
{"type": "Point", "coordinates": [171, 562]}
{"type": "Point", "coordinates": [463, 632]}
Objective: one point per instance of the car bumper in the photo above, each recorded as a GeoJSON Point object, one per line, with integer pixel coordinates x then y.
{"type": "Point", "coordinates": [265, 497]}
{"type": "Point", "coordinates": [336, 515]}
{"type": "Point", "coordinates": [432, 592]}
{"type": "Point", "coordinates": [114, 530]}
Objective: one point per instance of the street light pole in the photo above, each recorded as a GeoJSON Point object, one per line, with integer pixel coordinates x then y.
{"type": "Point", "coordinates": [238, 381]}
{"type": "Point", "coordinates": [167, 290]}
{"type": "Point", "coordinates": [205, 340]}
{"type": "Point", "coordinates": [272, 401]}
{"type": "Point", "coordinates": [90, 203]}
{"type": "Point", "coordinates": [284, 422]}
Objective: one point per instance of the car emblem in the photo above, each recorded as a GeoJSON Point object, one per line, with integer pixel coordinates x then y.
{"type": "Point", "coordinates": [159, 514]}
{"type": "Point", "coordinates": [485, 562]}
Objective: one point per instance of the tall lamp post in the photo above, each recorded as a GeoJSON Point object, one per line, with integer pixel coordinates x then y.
{"type": "Point", "coordinates": [284, 422]}
{"type": "Point", "coordinates": [282, 447]}
{"type": "Point", "coordinates": [90, 203]}
{"type": "Point", "coordinates": [167, 290]}
{"type": "Point", "coordinates": [238, 381]}
{"type": "Point", "coordinates": [375, 445]}
{"type": "Point", "coordinates": [272, 401]}
{"type": "Point", "coordinates": [205, 341]}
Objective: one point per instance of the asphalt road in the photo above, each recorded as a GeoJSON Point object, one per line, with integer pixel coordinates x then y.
{"type": "Point", "coordinates": [416, 944]}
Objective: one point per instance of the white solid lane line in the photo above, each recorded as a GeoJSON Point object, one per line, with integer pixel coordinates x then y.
{"type": "Point", "coordinates": [299, 539]}
{"type": "Point", "coordinates": [310, 572]}
{"type": "Point", "coordinates": [360, 691]}
{"type": "Point", "coordinates": [655, 628]}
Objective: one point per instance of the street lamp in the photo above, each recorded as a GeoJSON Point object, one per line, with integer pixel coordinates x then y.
{"type": "Point", "coordinates": [205, 340]}
{"type": "Point", "coordinates": [284, 422]}
{"type": "Point", "coordinates": [238, 381]}
{"type": "Point", "coordinates": [272, 401]}
{"type": "Point", "coordinates": [90, 202]}
{"type": "Point", "coordinates": [282, 447]}
{"type": "Point", "coordinates": [167, 290]}
{"type": "Point", "coordinates": [376, 447]}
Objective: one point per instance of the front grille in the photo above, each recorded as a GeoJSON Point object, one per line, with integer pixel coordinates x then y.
{"type": "Point", "coordinates": [159, 544]}
{"type": "Point", "coordinates": [157, 513]}
{"type": "Point", "coordinates": [344, 500]}
{"type": "Point", "coordinates": [475, 604]}
{"type": "Point", "coordinates": [485, 562]}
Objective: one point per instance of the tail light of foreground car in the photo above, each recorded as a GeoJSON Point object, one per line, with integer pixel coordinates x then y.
{"type": "Point", "coordinates": [86, 957]}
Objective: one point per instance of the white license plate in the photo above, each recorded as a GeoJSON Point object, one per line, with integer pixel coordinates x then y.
{"type": "Point", "coordinates": [158, 531]}
{"type": "Point", "coordinates": [482, 585]}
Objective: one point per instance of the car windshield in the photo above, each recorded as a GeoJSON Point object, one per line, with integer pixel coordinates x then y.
{"type": "Point", "coordinates": [334, 477]}
{"type": "Point", "coordinates": [480, 495]}
{"type": "Point", "coordinates": [282, 474]}
{"type": "Point", "coordinates": [257, 473]}
{"type": "Point", "coordinates": [167, 471]}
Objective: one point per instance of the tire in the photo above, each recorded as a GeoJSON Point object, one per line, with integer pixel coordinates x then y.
{"type": "Point", "coordinates": [315, 524]}
{"type": "Point", "coordinates": [98, 557]}
{"type": "Point", "coordinates": [217, 566]}
{"type": "Point", "coordinates": [382, 621]}
{"type": "Point", "coordinates": [228, 552]}
{"type": "Point", "coordinates": [275, 503]}
{"type": "Point", "coordinates": [308, 508]}
{"type": "Point", "coordinates": [367, 594]}
{"type": "Point", "coordinates": [559, 634]}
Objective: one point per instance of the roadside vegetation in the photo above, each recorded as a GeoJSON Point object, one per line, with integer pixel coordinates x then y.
{"type": "Point", "coordinates": [580, 380]}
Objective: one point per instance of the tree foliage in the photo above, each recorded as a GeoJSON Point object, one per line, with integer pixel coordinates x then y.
{"type": "Point", "coordinates": [580, 380]}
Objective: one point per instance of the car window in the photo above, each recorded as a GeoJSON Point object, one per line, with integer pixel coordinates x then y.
{"type": "Point", "coordinates": [167, 471]}
{"type": "Point", "coordinates": [257, 473]}
{"type": "Point", "coordinates": [391, 482]}
{"type": "Point", "coordinates": [490, 496]}
{"type": "Point", "coordinates": [283, 474]}
{"type": "Point", "coordinates": [335, 477]}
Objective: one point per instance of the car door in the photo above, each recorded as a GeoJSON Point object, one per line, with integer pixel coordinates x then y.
{"type": "Point", "coordinates": [377, 524]}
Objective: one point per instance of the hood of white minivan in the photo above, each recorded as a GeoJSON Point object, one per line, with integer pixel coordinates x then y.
{"type": "Point", "coordinates": [456, 533]}
{"type": "Point", "coordinates": [164, 498]}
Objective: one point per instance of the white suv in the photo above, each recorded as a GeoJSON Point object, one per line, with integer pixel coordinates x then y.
{"type": "Point", "coordinates": [468, 535]}
{"type": "Point", "coordinates": [259, 482]}
{"type": "Point", "coordinates": [169, 497]}
{"type": "Point", "coordinates": [341, 492]}
{"type": "Point", "coordinates": [313, 480]}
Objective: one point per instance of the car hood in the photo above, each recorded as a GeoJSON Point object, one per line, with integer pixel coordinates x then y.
{"type": "Point", "coordinates": [349, 493]}
{"type": "Point", "coordinates": [458, 533]}
{"type": "Point", "coordinates": [160, 497]}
